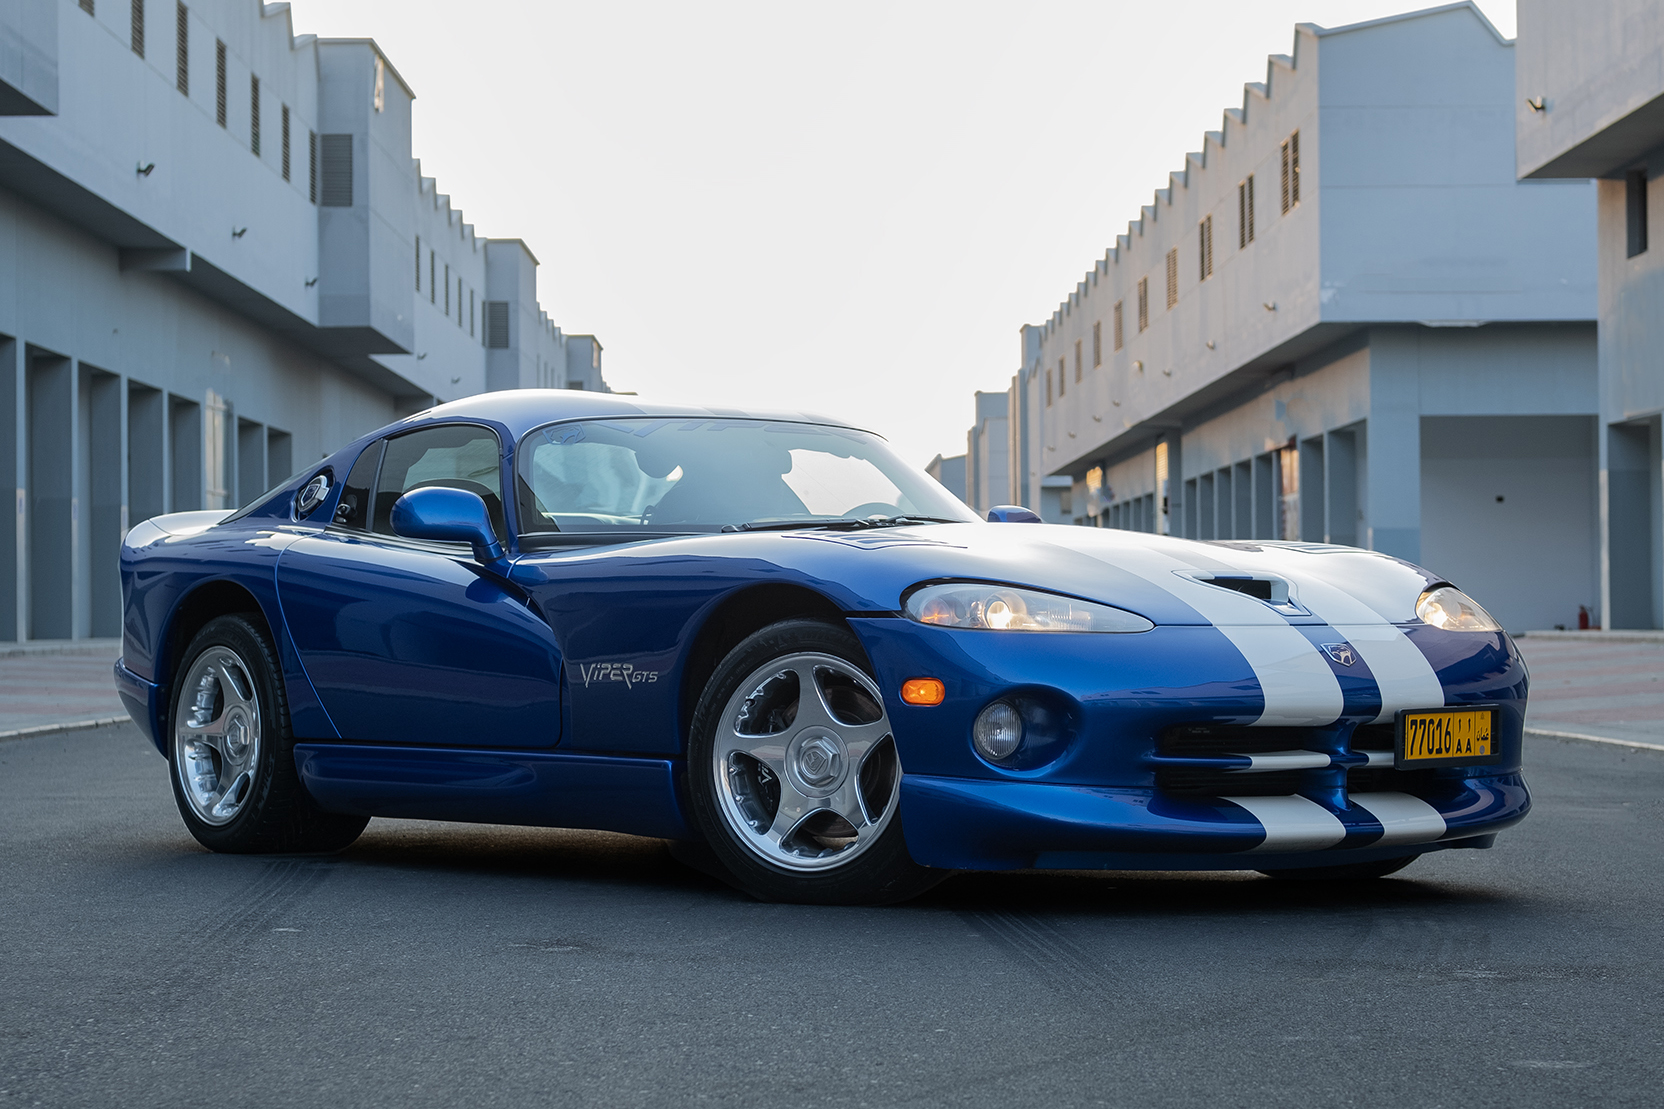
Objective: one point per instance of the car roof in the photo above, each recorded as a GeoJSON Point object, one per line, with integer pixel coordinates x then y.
{"type": "Point", "coordinates": [521, 410]}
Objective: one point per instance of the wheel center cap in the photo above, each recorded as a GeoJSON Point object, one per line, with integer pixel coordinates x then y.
{"type": "Point", "coordinates": [820, 761]}
{"type": "Point", "coordinates": [236, 738]}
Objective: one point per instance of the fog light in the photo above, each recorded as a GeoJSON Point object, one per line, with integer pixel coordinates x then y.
{"type": "Point", "coordinates": [998, 732]}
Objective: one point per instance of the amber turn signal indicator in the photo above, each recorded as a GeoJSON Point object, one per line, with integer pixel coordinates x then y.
{"type": "Point", "coordinates": [923, 691]}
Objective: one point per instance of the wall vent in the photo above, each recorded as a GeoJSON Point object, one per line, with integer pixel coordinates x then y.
{"type": "Point", "coordinates": [138, 27]}
{"type": "Point", "coordinates": [1097, 343]}
{"type": "Point", "coordinates": [496, 324]}
{"type": "Point", "coordinates": [254, 115]}
{"type": "Point", "coordinates": [219, 82]}
{"type": "Point", "coordinates": [182, 48]}
{"type": "Point", "coordinates": [86, 6]}
{"type": "Point", "coordinates": [1172, 278]}
{"type": "Point", "coordinates": [285, 142]}
{"type": "Point", "coordinates": [1117, 328]}
{"type": "Point", "coordinates": [312, 166]}
{"type": "Point", "coordinates": [336, 186]}
{"type": "Point", "coordinates": [1143, 302]}
{"type": "Point", "coordinates": [1206, 248]}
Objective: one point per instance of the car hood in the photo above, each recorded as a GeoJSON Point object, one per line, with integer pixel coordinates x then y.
{"type": "Point", "coordinates": [1168, 580]}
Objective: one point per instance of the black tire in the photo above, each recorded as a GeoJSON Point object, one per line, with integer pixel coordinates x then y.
{"type": "Point", "coordinates": [872, 871]}
{"type": "Point", "coordinates": [242, 796]}
{"type": "Point", "coordinates": [1351, 872]}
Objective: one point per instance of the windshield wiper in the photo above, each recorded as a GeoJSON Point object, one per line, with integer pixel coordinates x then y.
{"type": "Point", "coordinates": [840, 524]}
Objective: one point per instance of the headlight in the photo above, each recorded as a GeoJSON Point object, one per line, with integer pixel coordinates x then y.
{"type": "Point", "coordinates": [1003, 608]}
{"type": "Point", "coordinates": [1451, 610]}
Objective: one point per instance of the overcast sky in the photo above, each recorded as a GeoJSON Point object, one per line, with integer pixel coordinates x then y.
{"type": "Point", "coordinates": [844, 207]}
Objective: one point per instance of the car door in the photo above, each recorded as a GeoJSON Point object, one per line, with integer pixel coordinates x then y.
{"type": "Point", "coordinates": [413, 642]}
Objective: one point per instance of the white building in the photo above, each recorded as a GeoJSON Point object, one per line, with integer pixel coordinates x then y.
{"type": "Point", "coordinates": [1344, 320]}
{"type": "Point", "coordinates": [218, 259]}
{"type": "Point", "coordinates": [1590, 104]}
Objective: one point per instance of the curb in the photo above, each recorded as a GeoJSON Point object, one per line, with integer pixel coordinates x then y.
{"type": "Point", "coordinates": [1633, 743]}
{"type": "Point", "coordinates": [67, 726]}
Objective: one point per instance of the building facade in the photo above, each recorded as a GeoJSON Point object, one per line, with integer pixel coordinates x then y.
{"type": "Point", "coordinates": [1590, 104]}
{"type": "Point", "coordinates": [1345, 321]}
{"type": "Point", "coordinates": [218, 259]}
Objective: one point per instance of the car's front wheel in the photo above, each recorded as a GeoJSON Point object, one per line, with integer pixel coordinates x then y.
{"type": "Point", "coordinates": [232, 754]}
{"type": "Point", "coordinates": [793, 773]}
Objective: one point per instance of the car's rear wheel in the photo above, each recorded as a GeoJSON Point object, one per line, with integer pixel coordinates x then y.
{"type": "Point", "coordinates": [232, 754]}
{"type": "Point", "coordinates": [1350, 872]}
{"type": "Point", "coordinates": [793, 773]}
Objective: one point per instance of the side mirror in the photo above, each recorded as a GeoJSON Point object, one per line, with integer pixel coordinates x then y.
{"type": "Point", "coordinates": [448, 515]}
{"type": "Point", "coordinates": [1012, 514]}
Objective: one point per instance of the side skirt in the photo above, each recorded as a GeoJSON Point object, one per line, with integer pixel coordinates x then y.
{"type": "Point", "coordinates": [535, 788]}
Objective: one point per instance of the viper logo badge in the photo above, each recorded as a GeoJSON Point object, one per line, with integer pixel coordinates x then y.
{"type": "Point", "coordinates": [1341, 653]}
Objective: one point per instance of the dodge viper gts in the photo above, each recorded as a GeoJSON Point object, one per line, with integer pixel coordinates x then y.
{"type": "Point", "coordinates": [766, 638]}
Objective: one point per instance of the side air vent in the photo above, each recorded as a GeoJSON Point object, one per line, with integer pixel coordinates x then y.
{"type": "Point", "coordinates": [496, 324]}
{"type": "Point", "coordinates": [336, 191]}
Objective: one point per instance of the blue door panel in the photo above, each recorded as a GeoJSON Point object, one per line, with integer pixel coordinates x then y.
{"type": "Point", "coordinates": [405, 645]}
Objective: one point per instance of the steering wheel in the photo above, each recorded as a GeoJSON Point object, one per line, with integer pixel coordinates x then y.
{"type": "Point", "coordinates": [872, 508]}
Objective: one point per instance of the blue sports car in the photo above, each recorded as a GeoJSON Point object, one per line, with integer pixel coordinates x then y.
{"type": "Point", "coordinates": [766, 638]}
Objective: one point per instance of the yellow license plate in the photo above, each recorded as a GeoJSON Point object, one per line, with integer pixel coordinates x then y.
{"type": "Point", "coordinates": [1443, 737]}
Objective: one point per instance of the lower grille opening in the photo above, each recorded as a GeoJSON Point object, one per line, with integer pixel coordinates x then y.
{"type": "Point", "coordinates": [1375, 737]}
{"type": "Point", "coordinates": [1205, 740]}
{"type": "Point", "coordinates": [1195, 781]}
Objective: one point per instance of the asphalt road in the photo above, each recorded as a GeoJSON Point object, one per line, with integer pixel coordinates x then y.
{"type": "Point", "coordinates": [451, 964]}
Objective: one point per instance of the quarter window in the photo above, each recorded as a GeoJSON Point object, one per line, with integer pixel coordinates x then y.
{"type": "Point", "coordinates": [455, 456]}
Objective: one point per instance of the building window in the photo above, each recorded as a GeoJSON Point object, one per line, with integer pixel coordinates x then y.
{"type": "Point", "coordinates": [1206, 248]}
{"type": "Point", "coordinates": [254, 115]}
{"type": "Point", "coordinates": [1245, 212]}
{"type": "Point", "coordinates": [1172, 278]}
{"type": "Point", "coordinates": [418, 263]}
{"type": "Point", "coordinates": [285, 142]}
{"type": "Point", "coordinates": [312, 166]}
{"type": "Point", "coordinates": [182, 48]}
{"type": "Point", "coordinates": [433, 278]}
{"type": "Point", "coordinates": [1062, 378]}
{"type": "Point", "coordinates": [1048, 388]}
{"type": "Point", "coordinates": [1635, 210]}
{"type": "Point", "coordinates": [336, 187]}
{"type": "Point", "coordinates": [1291, 172]}
{"type": "Point", "coordinates": [138, 27]}
{"type": "Point", "coordinates": [1116, 326]}
{"type": "Point", "coordinates": [219, 82]}
{"type": "Point", "coordinates": [1097, 343]}
{"type": "Point", "coordinates": [1143, 303]}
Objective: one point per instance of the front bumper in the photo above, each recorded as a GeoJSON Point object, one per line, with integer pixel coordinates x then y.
{"type": "Point", "coordinates": [143, 702]}
{"type": "Point", "coordinates": [977, 824]}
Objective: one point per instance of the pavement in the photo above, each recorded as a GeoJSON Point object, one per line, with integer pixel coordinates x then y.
{"type": "Point", "coordinates": [1604, 686]}
{"type": "Point", "coordinates": [446, 964]}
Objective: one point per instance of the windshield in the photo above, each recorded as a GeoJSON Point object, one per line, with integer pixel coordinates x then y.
{"type": "Point", "coordinates": [682, 475]}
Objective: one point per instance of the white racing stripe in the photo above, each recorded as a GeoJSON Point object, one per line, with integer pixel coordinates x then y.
{"type": "Point", "coordinates": [1407, 819]}
{"type": "Point", "coordinates": [1405, 676]}
{"type": "Point", "coordinates": [1293, 823]}
{"type": "Point", "coordinates": [1282, 760]}
{"type": "Point", "coordinates": [1299, 688]}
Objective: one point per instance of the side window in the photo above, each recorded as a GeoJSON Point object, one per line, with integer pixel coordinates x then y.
{"type": "Point", "coordinates": [459, 456]}
{"type": "Point", "coordinates": [353, 509]}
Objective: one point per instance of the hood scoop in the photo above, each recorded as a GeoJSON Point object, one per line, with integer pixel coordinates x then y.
{"type": "Point", "coordinates": [1273, 590]}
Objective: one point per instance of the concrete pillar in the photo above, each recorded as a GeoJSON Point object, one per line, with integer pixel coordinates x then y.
{"type": "Point", "coordinates": [1393, 464]}
{"type": "Point", "coordinates": [51, 481]}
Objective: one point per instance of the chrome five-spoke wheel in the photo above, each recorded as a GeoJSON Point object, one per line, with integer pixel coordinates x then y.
{"type": "Point", "coordinates": [217, 736]}
{"type": "Point", "coordinates": [804, 762]}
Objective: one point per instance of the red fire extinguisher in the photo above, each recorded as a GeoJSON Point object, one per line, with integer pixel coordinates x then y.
{"type": "Point", "coordinates": [1582, 618]}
